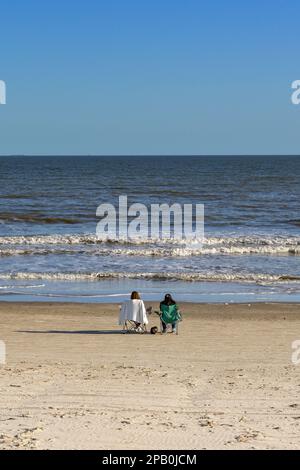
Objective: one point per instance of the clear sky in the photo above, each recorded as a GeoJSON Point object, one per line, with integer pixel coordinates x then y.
{"type": "Point", "coordinates": [149, 76]}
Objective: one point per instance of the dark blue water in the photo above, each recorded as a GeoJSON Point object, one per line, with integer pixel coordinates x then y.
{"type": "Point", "coordinates": [48, 242]}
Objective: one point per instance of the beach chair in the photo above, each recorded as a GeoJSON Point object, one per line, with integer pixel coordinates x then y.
{"type": "Point", "coordinates": [169, 314]}
{"type": "Point", "coordinates": [129, 326]}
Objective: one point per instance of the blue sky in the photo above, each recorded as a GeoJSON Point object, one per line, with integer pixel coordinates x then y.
{"type": "Point", "coordinates": [149, 77]}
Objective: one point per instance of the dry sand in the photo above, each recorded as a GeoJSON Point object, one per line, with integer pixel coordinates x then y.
{"type": "Point", "coordinates": [71, 380]}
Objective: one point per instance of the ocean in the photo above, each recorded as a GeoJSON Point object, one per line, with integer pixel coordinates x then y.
{"type": "Point", "coordinates": [49, 248]}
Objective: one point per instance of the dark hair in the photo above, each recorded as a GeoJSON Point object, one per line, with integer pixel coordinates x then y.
{"type": "Point", "coordinates": [169, 300]}
{"type": "Point", "coordinates": [135, 295]}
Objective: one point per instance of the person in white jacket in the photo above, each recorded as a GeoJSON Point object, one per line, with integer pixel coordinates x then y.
{"type": "Point", "coordinates": [133, 310]}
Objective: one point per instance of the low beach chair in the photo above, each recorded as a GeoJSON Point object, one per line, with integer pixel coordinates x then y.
{"type": "Point", "coordinates": [170, 315]}
{"type": "Point", "coordinates": [131, 327]}
{"type": "Point", "coordinates": [131, 321]}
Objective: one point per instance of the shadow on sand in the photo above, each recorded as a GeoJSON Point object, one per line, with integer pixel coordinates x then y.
{"type": "Point", "coordinates": [78, 332]}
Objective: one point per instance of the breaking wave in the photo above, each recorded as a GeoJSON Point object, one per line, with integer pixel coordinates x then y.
{"type": "Point", "coordinates": [160, 276]}
{"type": "Point", "coordinates": [91, 244]}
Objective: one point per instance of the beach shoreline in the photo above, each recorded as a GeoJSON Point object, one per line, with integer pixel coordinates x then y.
{"type": "Point", "coordinates": [72, 380]}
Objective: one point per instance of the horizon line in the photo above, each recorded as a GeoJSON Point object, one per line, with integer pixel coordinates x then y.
{"type": "Point", "coordinates": [153, 155]}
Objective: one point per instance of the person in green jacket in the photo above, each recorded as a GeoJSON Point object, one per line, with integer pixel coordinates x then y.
{"type": "Point", "coordinates": [168, 300]}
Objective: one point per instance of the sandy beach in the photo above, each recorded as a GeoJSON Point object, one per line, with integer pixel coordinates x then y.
{"type": "Point", "coordinates": [73, 381]}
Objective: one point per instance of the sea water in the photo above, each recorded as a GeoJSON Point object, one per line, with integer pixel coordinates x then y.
{"type": "Point", "coordinates": [49, 248]}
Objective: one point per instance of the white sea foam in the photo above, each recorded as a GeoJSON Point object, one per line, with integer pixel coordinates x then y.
{"type": "Point", "coordinates": [176, 276]}
{"type": "Point", "coordinates": [35, 286]}
{"type": "Point", "coordinates": [89, 244]}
